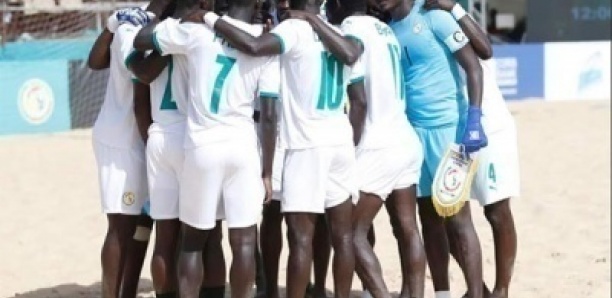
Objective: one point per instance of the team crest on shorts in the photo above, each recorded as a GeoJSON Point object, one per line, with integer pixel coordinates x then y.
{"type": "Point", "coordinates": [452, 182]}
{"type": "Point", "coordinates": [129, 198]}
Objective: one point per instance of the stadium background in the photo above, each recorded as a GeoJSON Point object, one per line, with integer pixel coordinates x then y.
{"type": "Point", "coordinates": [554, 69]}
{"type": "Point", "coordinates": [46, 86]}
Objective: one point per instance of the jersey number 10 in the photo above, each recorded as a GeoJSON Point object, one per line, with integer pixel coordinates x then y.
{"type": "Point", "coordinates": [332, 83]}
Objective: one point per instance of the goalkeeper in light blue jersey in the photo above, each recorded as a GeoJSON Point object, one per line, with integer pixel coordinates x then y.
{"type": "Point", "coordinates": [432, 44]}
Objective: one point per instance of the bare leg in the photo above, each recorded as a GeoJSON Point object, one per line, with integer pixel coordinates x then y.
{"type": "Point", "coordinates": [367, 264]}
{"type": "Point", "coordinates": [341, 228]}
{"type": "Point", "coordinates": [120, 231]}
{"type": "Point", "coordinates": [320, 254]}
{"type": "Point", "coordinates": [242, 271]}
{"type": "Point", "coordinates": [135, 256]}
{"type": "Point", "coordinates": [436, 244]}
{"type": "Point", "coordinates": [213, 261]}
{"type": "Point", "coordinates": [403, 202]}
{"type": "Point", "coordinates": [190, 268]}
{"type": "Point", "coordinates": [461, 229]}
{"type": "Point", "coordinates": [300, 233]}
{"type": "Point", "coordinates": [163, 262]}
{"type": "Point", "coordinates": [272, 246]}
{"type": "Point", "coordinates": [500, 217]}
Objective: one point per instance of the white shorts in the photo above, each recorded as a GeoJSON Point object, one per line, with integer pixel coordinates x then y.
{"type": "Point", "coordinates": [223, 177]}
{"type": "Point", "coordinates": [381, 171]}
{"type": "Point", "coordinates": [165, 156]}
{"type": "Point", "coordinates": [122, 175]}
{"type": "Point", "coordinates": [316, 179]}
{"type": "Point", "coordinates": [277, 173]}
{"type": "Point", "coordinates": [498, 176]}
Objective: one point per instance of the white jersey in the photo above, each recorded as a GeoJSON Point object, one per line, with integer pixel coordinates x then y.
{"type": "Point", "coordinates": [223, 82]}
{"type": "Point", "coordinates": [386, 123]}
{"type": "Point", "coordinates": [496, 116]}
{"type": "Point", "coordinates": [313, 89]}
{"type": "Point", "coordinates": [116, 123]}
{"type": "Point", "coordinates": [167, 109]}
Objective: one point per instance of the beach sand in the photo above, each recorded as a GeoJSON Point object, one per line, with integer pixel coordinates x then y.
{"type": "Point", "coordinates": [52, 228]}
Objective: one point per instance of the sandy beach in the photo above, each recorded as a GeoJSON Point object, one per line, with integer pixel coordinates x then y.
{"type": "Point", "coordinates": [52, 228]}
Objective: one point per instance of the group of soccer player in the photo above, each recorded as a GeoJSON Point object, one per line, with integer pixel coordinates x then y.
{"type": "Point", "coordinates": [320, 119]}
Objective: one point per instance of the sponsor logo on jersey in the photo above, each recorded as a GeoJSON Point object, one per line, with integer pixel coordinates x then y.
{"type": "Point", "coordinates": [36, 101]}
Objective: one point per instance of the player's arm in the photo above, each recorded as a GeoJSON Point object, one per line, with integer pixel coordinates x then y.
{"type": "Point", "coordinates": [448, 31]}
{"type": "Point", "coordinates": [268, 122]}
{"type": "Point", "coordinates": [478, 38]}
{"type": "Point", "coordinates": [347, 49]}
{"type": "Point", "coordinates": [142, 108]}
{"type": "Point", "coordinates": [148, 68]}
{"type": "Point", "coordinates": [145, 39]}
{"type": "Point", "coordinates": [99, 56]}
{"type": "Point", "coordinates": [264, 45]}
{"type": "Point", "coordinates": [357, 112]}
{"type": "Point", "coordinates": [357, 99]}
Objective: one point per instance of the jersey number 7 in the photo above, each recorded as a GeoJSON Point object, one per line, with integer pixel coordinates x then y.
{"type": "Point", "coordinates": [168, 102]}
{"type": "Point", "coordinates": [226, 66]}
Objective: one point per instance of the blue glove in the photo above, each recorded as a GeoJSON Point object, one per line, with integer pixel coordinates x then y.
{"type": "Point", "coordinates": [474, 136]}
{"type": "Point", "coordinates": [135, 16]}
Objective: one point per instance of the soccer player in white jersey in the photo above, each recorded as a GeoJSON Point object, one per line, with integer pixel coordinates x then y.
{"type": "Point", "coordinates": [497, 179]}
{"type": "Point", "coordinates": [118, 147]}
{"type": "Point", "coordinates": [222, 163]}
{"type": "Point", "coordinates": [319, 163]}
{"type": "Point", "coordinates": [389, 154]}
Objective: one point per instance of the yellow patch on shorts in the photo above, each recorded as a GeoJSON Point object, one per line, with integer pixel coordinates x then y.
{"type": "Point", "coordinates": [129, 198]}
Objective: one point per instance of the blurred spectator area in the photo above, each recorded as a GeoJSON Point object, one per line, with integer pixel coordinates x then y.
{"type": "Point", "coordinates": [52, 19]}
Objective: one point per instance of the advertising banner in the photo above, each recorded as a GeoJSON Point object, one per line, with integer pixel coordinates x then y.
{"type": "Point", "coordinates": [520, 70]}
{"type": "Point", "coordinates": [577, 70]}
{"type": "Point", "coordinates": [34, 97]}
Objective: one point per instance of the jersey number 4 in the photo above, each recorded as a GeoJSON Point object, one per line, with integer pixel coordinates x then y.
{"type": "Point", "coordinates": [226, 66]}
{"type": "Point", "coordinates": [332, 83]}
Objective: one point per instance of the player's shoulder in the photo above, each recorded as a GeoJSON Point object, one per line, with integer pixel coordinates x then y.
{"type": "Point", "coordinates": [437, 15]}
{"type": "Point", "coordinates": [253, 29]}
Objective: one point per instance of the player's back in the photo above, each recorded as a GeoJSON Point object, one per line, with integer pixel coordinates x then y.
{"type": "Point", "coordinates": [433, 83]}
{"type": "Point", "coordinates": [313, 89]}
{"type": "Point", "coordinates": [116, 123]}
{"type": "Point", "coordinates": [168, 110]}
{"type": "Point", "coordinates": [223, 82]}
{"type": "Point", "coordinates": [386, 122]}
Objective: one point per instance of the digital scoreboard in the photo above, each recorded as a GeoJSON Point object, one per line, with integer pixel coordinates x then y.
{"type": "Point", "coordinates": [568, 20]}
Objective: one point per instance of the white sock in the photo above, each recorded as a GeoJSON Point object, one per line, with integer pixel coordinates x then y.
{"type": "Point", "coordinates": [443, 294]}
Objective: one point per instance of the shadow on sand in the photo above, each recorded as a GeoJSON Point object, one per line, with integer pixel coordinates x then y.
{"type": "Point", "coordinates": [80, 291]}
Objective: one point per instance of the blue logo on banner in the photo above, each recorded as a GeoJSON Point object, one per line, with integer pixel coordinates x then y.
{"type": "Point", "coordinates": [520, 70]}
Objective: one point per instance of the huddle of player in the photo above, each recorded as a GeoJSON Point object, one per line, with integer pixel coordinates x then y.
{"type": "Point", "coordinates": [190, 84]}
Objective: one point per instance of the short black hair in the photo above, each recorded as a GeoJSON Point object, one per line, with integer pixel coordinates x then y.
{"type": "Point", "coordinates": [352, 6]}
{"type": "Point", "coordinates": [298, 4]}
{"type": "Point", "coordinates": [241, 3]}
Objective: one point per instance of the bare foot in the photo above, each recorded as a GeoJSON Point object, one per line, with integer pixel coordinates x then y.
{"type": "Point", "coordinates": [485, 293]}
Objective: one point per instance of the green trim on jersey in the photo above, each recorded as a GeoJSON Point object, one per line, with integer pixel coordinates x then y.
{"type": "Point", "coordinates": [156, 43]}
{"type": "Point", "coordinates": [269, 95]}
{"type": "Point", "coordinates": [357, 80]}
{"type": "Point", "coordinates": [355, 38]}
{"type": "Point", "coordinates": [129, 58]}
{"type": "Point", "coordinates": [282, 42]}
